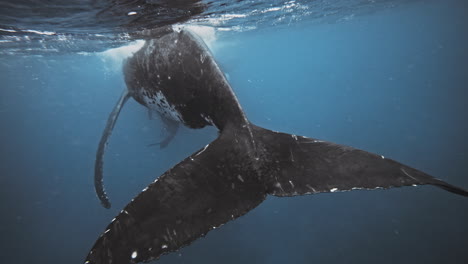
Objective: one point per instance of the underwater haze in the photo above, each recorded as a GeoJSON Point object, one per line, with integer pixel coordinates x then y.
{"type": "Point", "coordinates": [390, 80]}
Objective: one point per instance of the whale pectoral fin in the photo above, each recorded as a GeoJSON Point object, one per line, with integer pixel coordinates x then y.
{"type": "Point", "coordinates": [171, 126]}
{"type": "Point", "coordinates": [186, 202]}
{"type": "Point", "coordinates": [99, 163]}
{"type": "Point", "coordinates": [303, 165]}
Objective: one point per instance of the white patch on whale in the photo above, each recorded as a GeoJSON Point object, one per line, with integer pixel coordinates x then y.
{"type": "Point", "coordinates": [159, 103]}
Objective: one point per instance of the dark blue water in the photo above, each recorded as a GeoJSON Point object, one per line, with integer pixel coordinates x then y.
{"type": "Point", "coordinates": [393, 82]}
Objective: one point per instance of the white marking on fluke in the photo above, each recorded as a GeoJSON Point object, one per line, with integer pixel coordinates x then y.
{"type": "Point", "coordinates": [407, 174]}
{"type": "Point", "coordinates": [134, 254]}
{"type": "Point", "coordinates": [201, 151]}
{"type": "Point", "coordinates": [310, 187]}
{"type": "Point", "coordinates": [240, 178]}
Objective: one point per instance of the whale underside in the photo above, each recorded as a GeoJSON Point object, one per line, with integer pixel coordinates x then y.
{"type": "Point", "coordinates": [234, 173]}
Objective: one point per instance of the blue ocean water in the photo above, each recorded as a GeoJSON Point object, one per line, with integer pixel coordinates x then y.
{"type": "Point", "coordinates": [391, 82]}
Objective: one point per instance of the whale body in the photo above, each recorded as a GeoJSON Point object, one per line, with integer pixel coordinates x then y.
{"type": "Point", "coordinates": [176, 75]}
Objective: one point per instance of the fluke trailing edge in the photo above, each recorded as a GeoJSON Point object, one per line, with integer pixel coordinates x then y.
{"type": "Point", "coordinates": [176, 75]}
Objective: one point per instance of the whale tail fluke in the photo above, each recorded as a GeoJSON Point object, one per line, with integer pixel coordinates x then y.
{"type": "Point", "coordinates": [300, 165]}
{"type": "Point", "coordinates": [201, 193]}
{"type": "Point", "coordinates": [231, 176]}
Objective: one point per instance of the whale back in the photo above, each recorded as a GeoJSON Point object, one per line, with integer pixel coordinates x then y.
{"type": "Point", "coordinates": [176, 75]}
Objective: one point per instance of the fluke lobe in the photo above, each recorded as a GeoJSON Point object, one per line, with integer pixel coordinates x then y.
{"type": "Point", "coordinates": [176, 75]}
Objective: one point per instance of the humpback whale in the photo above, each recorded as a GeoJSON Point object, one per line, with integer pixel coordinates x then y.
{"type": "Point", "coordinates": [176, 75]}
